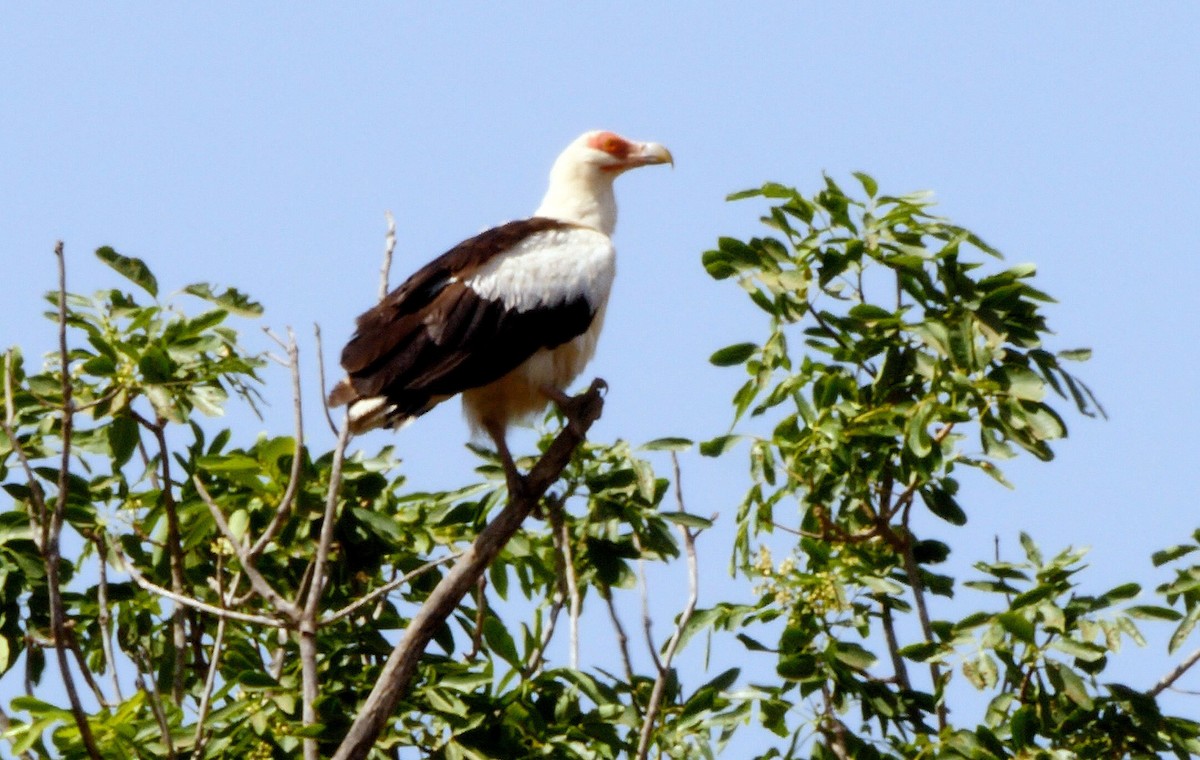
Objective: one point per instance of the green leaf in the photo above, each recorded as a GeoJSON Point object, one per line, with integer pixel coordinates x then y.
{"type": "Point", "coordinates": [687, 519]}
{"type": "Point", "coordinates": [1016, 624]}
{"type": "Point", "coordinates": [667, 444]}
{"type": "Point", "coordinates": [870, 186]}
{"type": "Point", "coordinates": [719, 445]}
{"type": "Point", "coordinates": [1075, 354]}
{"type": "Point", "coordinates": [1020, 382]}
{"type": "Point", "coordinates": [1153, 612]}
{"type": "Point", "coordinates": [1161, 558]}
{"type": "Point", "coordinates": [231, 300]}
{"type": "Point", "coordinates": [1072, 685]}
{"type": "Point", "coordinates": [134, 270]}
{"type": "Point", "coordinates": [733, 355]}
{"type": "Point", "coordinates": [500, 641]}
{"type": "Point", "coordinates": [122, 439]}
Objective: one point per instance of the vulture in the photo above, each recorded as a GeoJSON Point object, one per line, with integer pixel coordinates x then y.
{"type": "Point", "coordinates": [506, 319]}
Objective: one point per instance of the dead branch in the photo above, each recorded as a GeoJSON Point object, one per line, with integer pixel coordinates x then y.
{"type": "Point", "coordinates": [387, 588]}
{"type": "Point", "coordinates": [389, 246]}
{"type": "Point", "coordinates": [402, 664]}
{"type": "Point", "coordinates": [210, 680]}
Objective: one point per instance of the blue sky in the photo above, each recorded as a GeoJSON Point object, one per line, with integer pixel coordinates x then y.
{"type": "Point", "coordinates": [259, 145]}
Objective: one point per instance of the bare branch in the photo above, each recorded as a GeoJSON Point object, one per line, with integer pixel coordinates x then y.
{"type": "Point", "coordinates": [389, 246]}
{"type": "Point", "coordinates": [402, 664]}
{"type": "Point", "coordinates": [260, 584]}
{"type": "Point", "coordinates": [103, 617]}
{"type": "Point", "coordinates": [387, 588]}
{"type": "Point", "coordinates": [308, 615]}
{"type": "Point", "coordinates": [219, 612]}
{"type": "Point", "coordinates": [562, 541]}
{"type": "Point", "coordinates": [210, 680]}
{"type": "Point", "coordinates": [284, 510]}
{"type": "Point", "coordinates": [623, 644]}
{"type": "Point", "coordinates": [656, 694]}
{"type": "Point", "coordinates": [52, 529]}
{"type": "Point", "coordinates": [1170, 678]}
{"type": "Point", "coordinates": [321, 376]}
{"type": "Point", "coordinates": [36, 519]}
{"type": "Point", "coordinates": [151, 688]}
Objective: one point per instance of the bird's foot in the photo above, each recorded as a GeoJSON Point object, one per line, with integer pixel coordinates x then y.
{"type": "Point", "coordinates": [582, 410]}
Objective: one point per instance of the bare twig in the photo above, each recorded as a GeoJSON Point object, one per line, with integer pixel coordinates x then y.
{"type": "Point", "coordinates": [149, 686]}
{"type": "Point", "coordinates": [219, 612]}
{"type": "Point", "coordinates": [174, 551]}
{"type": "Point", "coordinates": [52, 529]}
{"type": "Point", "coordinates": [103, 617]}
{"type": "Point", "coordinates": [647, 620]}
{"type": "Point", "coordinates": [534, 664]}
{"type": "Point", "coordinates": [387, 588]}
{"type": "Point", "coordinates": [623, 644]}
{"type": "Point", "coordinates": [1170, 678]}
{"type": "Point", "coordinates": [37, 517]}
{"type": "Point", "coordinates": [321, 377]}
{"type": "Point", "coordinates": [389, 246]}
{"type": "Point", "coordinates": [832, 727]}
{"type": "Point", "coordinates": [480, 617]}
{"type": "Point", "coordinates": [308, 615]}
{"type": "Point", "coordinates": [198, 739]}
{"type": "Point", "coordinates": [656, 694]}
{"type": "Point", "coordinates": [284, 510]}
{"type": "Point", "coordinates": [562, 540]}
{"type": "Point", "coordinates": [402, 664]}
{"type": "Point", "coordinates": [257, 582]}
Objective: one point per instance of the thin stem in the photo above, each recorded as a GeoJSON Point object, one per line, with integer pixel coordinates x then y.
{"type": "Point", "coordinates": [257, 582]}
{"type": "Point", "coordinates": [52, 529]}
{"type": "Point", "coordinates": [156, 706]}
{"type": "Point", "coordinates": [104, 616]}
{"type": "Point", "coordinates": [389, 246]}
{"type": "Point", "coordinates": [656, 694]}
{"type": "Point", "coordinates": [563, 540]}
{"type": "Point", "coordinates": [623, 645]}
{"type": "Point", "coordinates": [284, 510]}
{"type": "Point", "coordinates": [390, 586]}
{"type": "Point", "coordinates": [210, 681]}
{"type": "Point", "coordinates": [308, 615]}
{"type": "Point", "coordinates": [321, 379]}
{"type": "Point", "coordinates": [1170, 678]}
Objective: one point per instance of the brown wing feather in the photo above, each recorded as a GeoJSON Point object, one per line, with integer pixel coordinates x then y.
{"type": "Point", "coordinates": [434, 337]}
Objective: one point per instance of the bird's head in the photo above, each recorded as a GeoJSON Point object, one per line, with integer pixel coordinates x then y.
{"type": "Point", "coordinates": [613, 154]}
{"type": "Point", "coordinates": [582, 178]}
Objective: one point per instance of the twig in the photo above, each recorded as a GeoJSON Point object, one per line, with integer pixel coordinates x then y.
{"type": "Point", "coordinates": [390, 586]}
{"type": "Point", "coordinates": [103, 616]}
{"type": "Point", "coordinates": [656, 694]}
{"type": "Point", "coordinates": [174, 551]}
{"type": "Point", "coordinates": [160, 715]}
{"type": "Point", "coordinates": [480, 617]}
{"type": "Point", "coordinates": [52, 529]}
{"type": "Point", "coordinates": [308, 615]}
{"type": "Point", "coordinates": [389, 246]}
{"type": "Point", "coordinates": [257, 582]}
{"type": "Point", "coordinates": [440, 604]}
{"type": "Point", "coordinates": [219, 612]}
{"type": "Point", "coordinates": [198, 739]}
{"type": "Point", "coordinates": [1175, 674]}
{"type": "Point", "coordinates": [647, 620]}
{"type": "Point", "coordinates": [563, 541]}
{"type": "Point", "coordinates": [321, 377]}
{"type": "Point", "coordinates": [284, 510]}
{"type": "Point", "coordinates": [623, 644]}
{"type": "Point", "coordinates": [534, 664]}
{"type": "Point", "coordinates": [832, 727]}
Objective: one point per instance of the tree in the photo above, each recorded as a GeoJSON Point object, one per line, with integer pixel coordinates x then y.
{"type": "Point", "coordinates": [227, 596]}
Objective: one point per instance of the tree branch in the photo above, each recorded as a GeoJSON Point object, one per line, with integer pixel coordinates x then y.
{"type": "Point", "coordinates": [284, 510]}
{"type": "Point", "coordinates": [656, 694]}
{"type": "Point", "coordinates": [52, 529]}
{"type": "Point", "coordinates": [389, 246]}
{"type": "Point", "coordinates": [1170, 678]}
{"type": "Point", "coordinates": [402, 664]}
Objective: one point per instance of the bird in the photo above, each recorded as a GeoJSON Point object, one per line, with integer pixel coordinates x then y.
{"type": "Point", "coordinates": [506, 319]}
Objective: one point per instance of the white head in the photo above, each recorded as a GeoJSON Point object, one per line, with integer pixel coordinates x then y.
{"type": "Point", "coordinates": [582, 177]}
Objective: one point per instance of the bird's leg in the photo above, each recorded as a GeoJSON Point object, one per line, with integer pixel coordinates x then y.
{"type": "Point", "coordinates": [512, 476]}
{"type": "Point", "coordinates": [576, 408]}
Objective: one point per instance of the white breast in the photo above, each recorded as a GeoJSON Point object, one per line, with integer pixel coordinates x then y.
{"type": "Point", "coordinates": [550, 268]}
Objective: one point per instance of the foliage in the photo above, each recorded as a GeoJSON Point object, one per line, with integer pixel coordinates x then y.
{"type": "Point", "coordinates": [194, 552]}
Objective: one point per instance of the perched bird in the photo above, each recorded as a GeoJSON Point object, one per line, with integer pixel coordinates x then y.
{"type": "Point", "coordinates": [507, 318]}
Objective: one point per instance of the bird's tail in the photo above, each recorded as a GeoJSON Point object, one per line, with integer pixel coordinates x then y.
{"type": "Point", "coordinates": [366, 413]}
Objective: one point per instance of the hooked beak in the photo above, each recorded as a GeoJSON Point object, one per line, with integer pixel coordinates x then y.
{"type": "Point", "coordinates": [650, 153]}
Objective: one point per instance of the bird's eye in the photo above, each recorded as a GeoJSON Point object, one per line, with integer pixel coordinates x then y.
{"type": "Point", "coordinates": [610, 143]}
